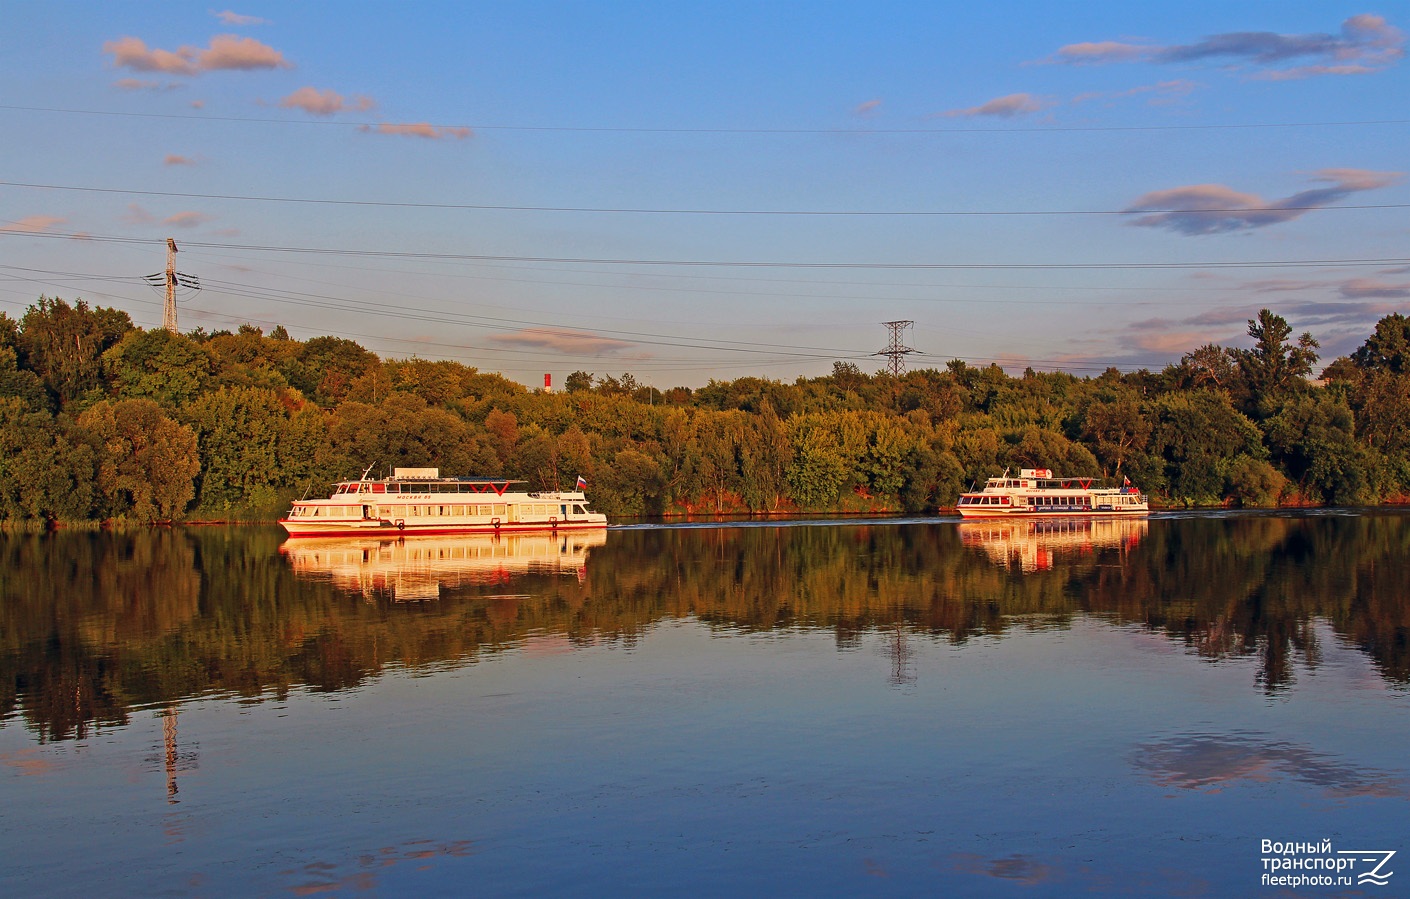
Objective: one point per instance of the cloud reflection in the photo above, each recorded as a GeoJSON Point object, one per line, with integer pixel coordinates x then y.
{"type": "Point", "coordinates": [1018, 868]}
{"type": "Point", "coordinates": [1209, 762]}
{"type": "Point", "coordinates": [319, 877]}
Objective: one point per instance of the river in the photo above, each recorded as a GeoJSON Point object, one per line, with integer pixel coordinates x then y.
{"type": "Point", "coordinates": [1185, 706]}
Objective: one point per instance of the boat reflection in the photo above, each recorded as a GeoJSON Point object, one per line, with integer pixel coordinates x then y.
{"type": "Point", "coordinates": [413, 569]}
{"type": "Point", "coordinates": [1036, 544]}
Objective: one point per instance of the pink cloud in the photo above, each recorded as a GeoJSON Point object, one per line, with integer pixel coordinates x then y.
{"type": "Point", "coordinates": [1366, 43]}
{"type": "Point", "coordinates": [136, 215]}
{"type": "Point", "coordinates": [186, 219]}
{"type": "Point", "coordinates": [1163, 92]}
{"type": "Point", "coordinates": [419, 129]}
{"type": "Point", "coordinates": [1170, 343]}
{"type": "Point", "coordinates": [132, 53]}
{"type": "Point", "coordinates": [1004, 107]}
{"type": "Point", "coordinates": [229, 51]}
{"type": "Point", "coordinates": [226, 52]}
{"type": "Point", "coordinates": [1214, 208]}
{"type": "Point", "coordinates": [325, 102]}
{"type": "Point", "coordinates": [233, 18]}
{"type": "Point", "coordinates": [138, 84]}
{"type": "Point", "coordinates": [562, 340]}
{"type": "Point", "coordinates": [867, 109]}
{"type": "Point", "coordinates": [173, 159]}
{"type": "Point", "coordinates": [1095, 52]}
{"type": "Point", "coordinates": [1369, 288]}
{"type": "Point", "coordinates": [33, 224]}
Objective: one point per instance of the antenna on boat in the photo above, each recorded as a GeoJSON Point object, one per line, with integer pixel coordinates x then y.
{"type": "Point", "coordinates": [366, 470]}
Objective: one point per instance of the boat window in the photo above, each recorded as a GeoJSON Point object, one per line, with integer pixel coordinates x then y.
{"type": "Point", "coordinates": [579, 510]}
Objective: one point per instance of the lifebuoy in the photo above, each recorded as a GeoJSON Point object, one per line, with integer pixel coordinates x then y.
{"type": "Point", "coordinates": [401, 524]}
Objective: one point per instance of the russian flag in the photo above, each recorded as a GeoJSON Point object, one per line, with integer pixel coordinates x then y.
{"type": "Point", "coordinates": [582, 482]}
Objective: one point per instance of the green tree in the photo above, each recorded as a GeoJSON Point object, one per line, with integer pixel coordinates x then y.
{"type": "Point", "coordinates": [631, 485]}
{"type": "Point", "coordinates": [240, 430]}
{"type": "Point", "coordinates": [147, 462]}
{"type": "Point", "coordinates": [22, 385]}
{"type": "Point", "coordinates": [578, 382]}
{"type": "Point", "coordinates": [64, 345]}
{"type": "Point", "coordinates": [47, 472]}
{"type": "Point", "coordinates": [325, 368]}
{"type": "Point", "coordinates": [765, 453]}
{"type": "Point", "coordinates": [171, 369]}
{"type": "Point", "coordinates": [1388, 348]}
{"type": "Point", "coordinates": [1274, 367]}
{"type": "Point", "coordinates": [819, 469]}
{"type": "Point", "coordinates": [1115, 428]}
{"type": "Point", "coordinates": [1198, 434]}
{"type": "Point", "coordinates": [1313, 436]}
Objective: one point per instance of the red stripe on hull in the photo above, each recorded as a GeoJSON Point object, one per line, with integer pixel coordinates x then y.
{"type": "Point", "coordinates": [1104, 513]}
{"type": "Point", "coordinates": [392, 532]}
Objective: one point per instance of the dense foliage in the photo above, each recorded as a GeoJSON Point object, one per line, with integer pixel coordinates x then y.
{"type": "Point", "coordinates": [103, 420]}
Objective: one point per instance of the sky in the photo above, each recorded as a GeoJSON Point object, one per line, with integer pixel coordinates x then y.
{"type": "Point", "coordinates": [697, 191]}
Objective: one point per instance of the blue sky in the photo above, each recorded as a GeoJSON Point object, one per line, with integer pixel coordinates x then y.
{"type": "Point", "coordinates": [687, 192]}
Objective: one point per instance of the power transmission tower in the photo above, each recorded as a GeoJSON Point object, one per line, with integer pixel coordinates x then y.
{"type": "Point", "coordinates": [172, 279]}
{"type": "Point", "coordinates": [896, 350]}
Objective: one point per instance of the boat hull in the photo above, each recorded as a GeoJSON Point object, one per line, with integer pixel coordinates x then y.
{"type": "Point", "coordinates": [1033, 513]}
{"type": "Point", "coordinates": [385, 529]}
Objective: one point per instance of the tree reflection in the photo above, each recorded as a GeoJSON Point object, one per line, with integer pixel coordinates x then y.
{"type": "Point", "coordinates": [94, 625]}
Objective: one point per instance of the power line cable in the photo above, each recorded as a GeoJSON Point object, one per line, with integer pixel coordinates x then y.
{"type": "Point", "coordinates": [570, 129]}
{"type": "Point", "coordinates": [623, 210]}
{"type": "Point", "coordinates": [745, 264]}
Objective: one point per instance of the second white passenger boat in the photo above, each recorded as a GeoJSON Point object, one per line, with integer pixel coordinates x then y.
{"type": "Point", "coordinates": [420, 501]}
{"type": "Point", "coordinates": [1036, 493]}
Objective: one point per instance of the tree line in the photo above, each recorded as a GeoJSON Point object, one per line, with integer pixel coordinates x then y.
{"type": "Point", "coordinates": [101, 420]}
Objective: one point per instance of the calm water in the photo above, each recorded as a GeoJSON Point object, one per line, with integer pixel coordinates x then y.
{"type": "Point", "coordinates": [893, 708]}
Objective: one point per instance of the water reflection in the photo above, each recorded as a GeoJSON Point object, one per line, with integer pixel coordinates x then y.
{"type": "Point", "coordinates": [419, 568]}
{"type": "Point", "coordinates": [1039, 544]}
{"type": "Point", "coordinates": [363, 874]}
{"type": "Point", "coordinates": [1210, 762]}
{"type": "Point", "coordinates": [93, 626]}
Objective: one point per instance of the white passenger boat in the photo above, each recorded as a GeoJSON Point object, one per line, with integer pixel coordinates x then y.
{"type": "Point", "coordinates": [420, 501]}
{"type": "Point", "coordinates": [1036, 493]}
